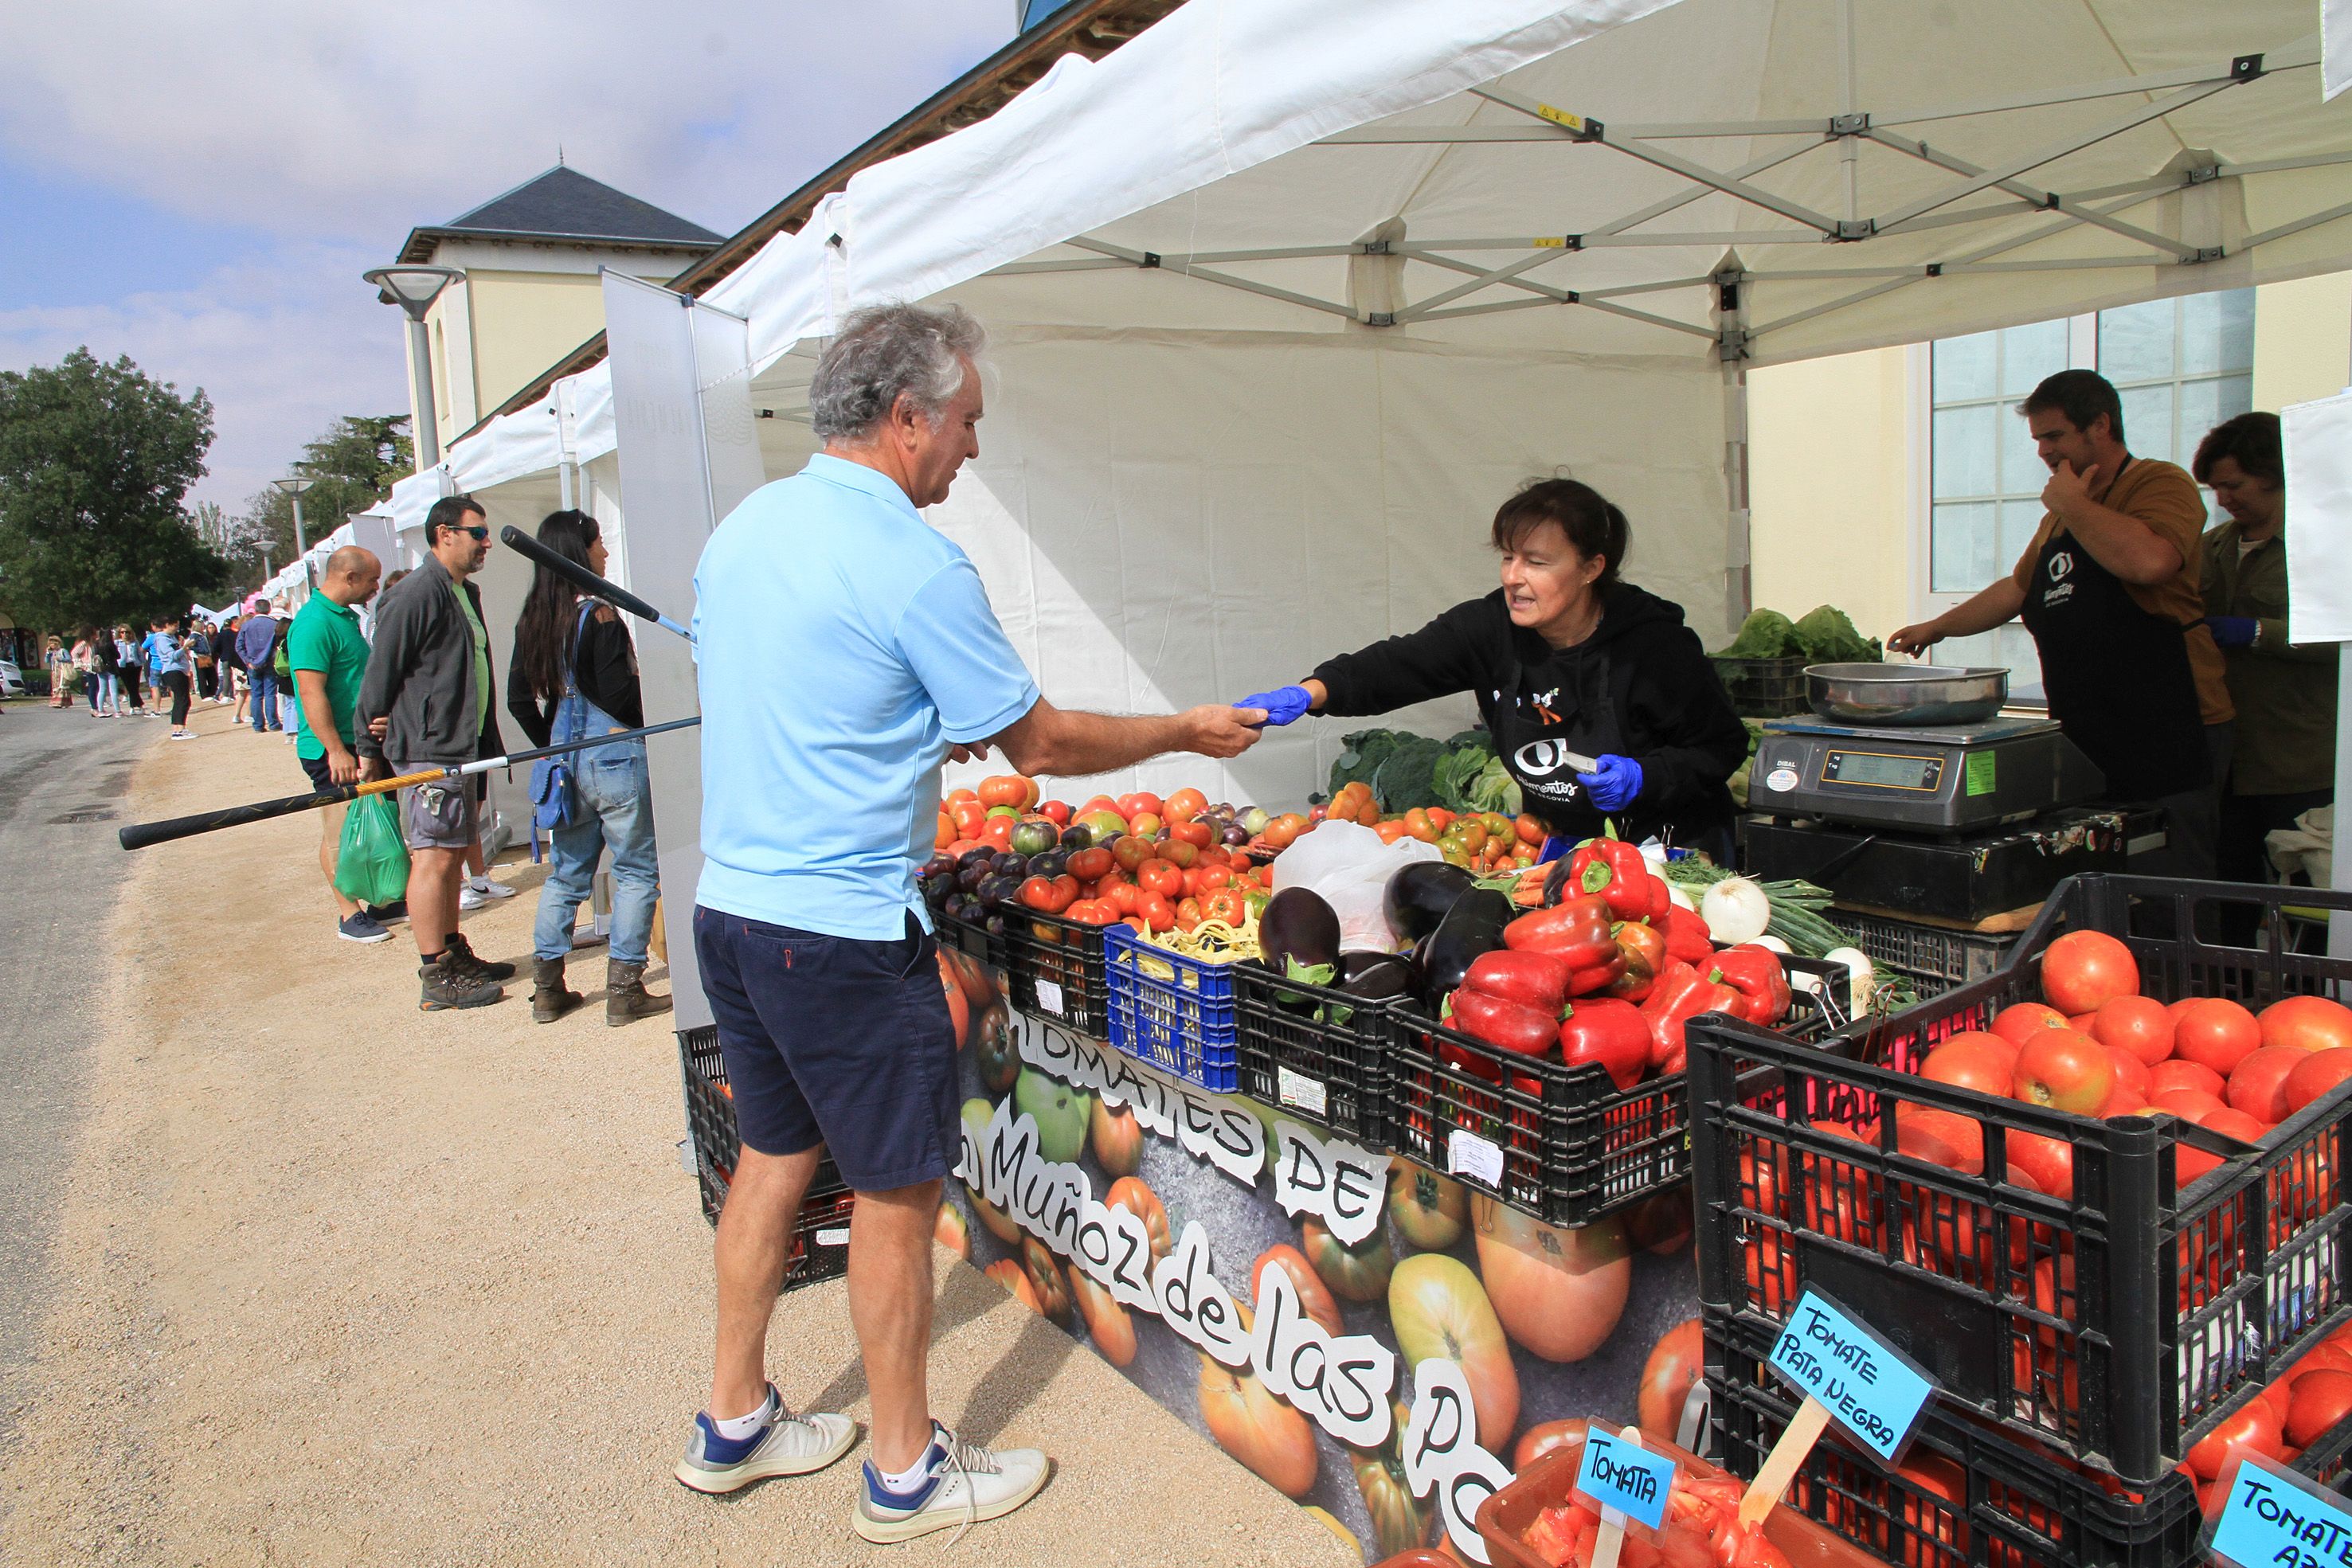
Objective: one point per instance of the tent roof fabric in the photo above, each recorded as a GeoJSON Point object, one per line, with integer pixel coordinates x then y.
{"type": "Point", "coordinates": [563, 203]}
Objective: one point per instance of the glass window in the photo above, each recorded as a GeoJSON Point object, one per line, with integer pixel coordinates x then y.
{"type": "Point", "coordinates": [1982, 466]}
{"type": "Point", "coordinates": [2182, 367]}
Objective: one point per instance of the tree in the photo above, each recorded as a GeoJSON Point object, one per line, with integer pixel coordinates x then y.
{"type": "Point", "coordinates": [352, 467]}
{"type": "Point", "coordinates": [95, 461]}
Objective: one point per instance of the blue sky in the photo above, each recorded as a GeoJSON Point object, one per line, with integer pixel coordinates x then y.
{"type": "Point", "coordinates": [199, 187]}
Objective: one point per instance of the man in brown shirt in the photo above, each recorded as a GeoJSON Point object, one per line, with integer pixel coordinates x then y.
{"type": "Point", "coordinates": [2109, 588]}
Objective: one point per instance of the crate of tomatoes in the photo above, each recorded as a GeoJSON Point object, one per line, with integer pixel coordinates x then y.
{"type": "Point", "coordinates": [1550, 1074]}
{"type": "Point", "coordinates": [820, 1248]}
{"type": "Point", "coordinates": [1969, 1494]}
{"type": "Point", "coordinates": [2099, 1195]}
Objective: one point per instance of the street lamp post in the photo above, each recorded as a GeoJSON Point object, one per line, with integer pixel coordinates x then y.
{"type": "Point", "coordinates": [294, 486]}
{"type": "Point", "coordinates": [413, 289]}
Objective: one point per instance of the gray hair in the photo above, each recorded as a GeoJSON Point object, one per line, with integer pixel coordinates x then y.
{"type": "Point", "coordinates": [885, 351]}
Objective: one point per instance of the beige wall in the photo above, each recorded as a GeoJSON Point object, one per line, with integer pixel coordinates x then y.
{"type": "Point", "coordinates": [1829, 475]}
{"type": "Point", "coordinates": [524, 322]}
{"type": "Point", "coordinates": [1835, 514]}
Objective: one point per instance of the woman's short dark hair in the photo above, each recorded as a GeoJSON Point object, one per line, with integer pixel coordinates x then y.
{"type": "Point", "coordinates": [1589, 519]}
{"type": "Point", "coordinates": [2253, 441]}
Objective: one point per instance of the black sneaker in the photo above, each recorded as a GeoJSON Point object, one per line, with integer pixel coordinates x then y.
{"type": "Point", "coordinates": [385, 914]}
{"type": "Point", "coordinates": [450, 982]}
{"type": "Point", "coordinates": [481, 966]}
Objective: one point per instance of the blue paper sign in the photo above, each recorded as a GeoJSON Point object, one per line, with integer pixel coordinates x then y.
{"type": "Point", "coordinates": [2274, 1516]}
{"type": "Point", "coordinates": [1631, 1480]}
{"type": "Point", "coordinates": [1871, 1388]}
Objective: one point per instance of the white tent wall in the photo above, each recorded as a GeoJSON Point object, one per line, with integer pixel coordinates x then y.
{"type": "Point", "coordinates": [504, 580]}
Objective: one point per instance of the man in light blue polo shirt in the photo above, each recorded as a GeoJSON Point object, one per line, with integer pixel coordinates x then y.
{"type": "Point", "coordinates": [846, 651]}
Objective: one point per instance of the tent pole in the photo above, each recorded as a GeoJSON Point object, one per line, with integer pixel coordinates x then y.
{"type": "Point", "coordinates": [1849, 147]}
{"type": "Point", "coordinates": [2339, 926]}
{"type": "Point", "coordinates": [1731, 319]}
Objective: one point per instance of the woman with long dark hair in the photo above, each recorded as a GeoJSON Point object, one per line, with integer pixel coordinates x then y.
{"type": "Point", "coordinates": [574, 675]}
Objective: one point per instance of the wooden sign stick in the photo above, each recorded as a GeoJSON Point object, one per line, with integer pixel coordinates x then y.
{"type": "Point", "coordinates": [1779, 1467]}
{"type": "Point", "coordinates": [1611, 1539]}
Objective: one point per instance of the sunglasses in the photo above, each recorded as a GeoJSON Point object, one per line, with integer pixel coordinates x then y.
{"type": "Point", "coordinates": [480, 533]}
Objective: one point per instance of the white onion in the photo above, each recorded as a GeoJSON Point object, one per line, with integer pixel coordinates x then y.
{"type": "Point", "coordinates": [1735, 910]}
{"type": "Point", "coordinates": [1675, 894]}
{"type": "Point", "coordinates": [1860, 971]}
{"type": "Point", "coordinates": [1772, 944]}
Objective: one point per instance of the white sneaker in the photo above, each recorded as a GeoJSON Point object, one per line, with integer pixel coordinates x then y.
{"type": "Point", "coordinates": [789, 1446]}
{"type": "Point", "coordinates": [484, 887]}
{"type": "Point", "coordinates": [469, 897]}
{"type": "Point", "coordinates": [967, 1484]}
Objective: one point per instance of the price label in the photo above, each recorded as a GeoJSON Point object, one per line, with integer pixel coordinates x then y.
{"type": "Point", "coordinates": [1621, 1475]}
{"type": "Point", "coordinates": [1299, 1091]}
{"type": "Point", "coordinates": [2275, 1516]}
{"type": "Point", "coordinates": [1467, 1154]}
{"type": "Point", "coordinates": [835, 1236]}
{"type": "Point", "coordinates": [1049, 996]}
{"type": "Point", "coordinates": [1873, 1390]}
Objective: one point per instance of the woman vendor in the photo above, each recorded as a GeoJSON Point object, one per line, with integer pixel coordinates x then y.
{"type": "Point", "coordinates": [1564, 661]}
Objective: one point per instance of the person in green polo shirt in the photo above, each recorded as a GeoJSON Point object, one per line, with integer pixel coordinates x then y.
{"type": "Point", "coordinates": [328, 655]}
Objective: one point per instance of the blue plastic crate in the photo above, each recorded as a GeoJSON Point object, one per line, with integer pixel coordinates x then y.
{"type": "Point", "coordinates": [1174, 1012]}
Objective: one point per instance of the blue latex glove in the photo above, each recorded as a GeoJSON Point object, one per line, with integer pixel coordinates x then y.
{"type": "Point", "coordinates": [1614, 783]}
{"type": "Point", "coordinates": [1283, 705]}
{"type": "Point", "coordinates": [2233, 630]}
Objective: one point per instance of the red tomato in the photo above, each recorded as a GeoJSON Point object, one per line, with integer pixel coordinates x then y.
{"type": "Point", "coordinates": [1162, 877]}
{"type": "Point", "coordinates": [1198, 834]}
{"type": "Point", "coordinates": [997, 831]}
{"type": "Point", "coordinates": [1131, 850]}
{"type": "Point", "coordinates": [1060, 811]}
{"type": "Point", "coordinates": [2308, 1023]}
{"type": "Point", "coordinates": [2131, 1078]}
{"type": "Point", "coordinates": [1157, 913]}
{"type": "Point", "coordinates": [2319, 1071]}
{"type": "Point", "coordinates": [2063, 1070]}
{"type": "Point", "coordinates": [2047, 1163]}
{"type": "Point", "coordinates": [1185, 805]}
{"type": "Point", "coordinates": [946, 834]}
{"type": "Point", "coordinates": [1177, 852]}
{"type": "Point", "coordinates": [1005, 789]}
{"type": "Point", "coordinates": [2316, 1403]}
{"type": "Point", "coordinates": [2189, 1104]}
{"type": "Point", "coordinates": [1984, 1063]}
{"type": "Point", "coordinates": [1130, 806]}
{"type": "Point", "coordinates": [1188, 914]}
{"type": "Point", "coordinates": [1093, 911]}
{"type": "Point", "coordinates": [2017, 1022]}
{"type": "Point", "coordinates": [2254, 1426]}
{"type": "Point", "coordinates": [2083, 970]}
{"type": "Point", "coordinates": [2215, 1032]}
{"type": "Point", "coordinates": [969, 817]}
{"type": "Point", "coordinates": [2258, 1083]}
{"type": "Point", "coordinates": [1091, 864]}
{"type": "Point", "coordinates": [1225, 905]}
{"type": "Point", "coordinates": [1128, 897]}
{"type": "Point", "coordinates": [1940, 1137]}
{"type": "Point", "coordinates": [955, 798]}
{"type": "Point", "coordinates": [2141, 1025]}
{"type": "Point", "coordinates": [2236, 1124]}
{"type": "Point", "coordinates": [2175, 1073]}
{"type": "Point", "coordinates": [1214, 877]}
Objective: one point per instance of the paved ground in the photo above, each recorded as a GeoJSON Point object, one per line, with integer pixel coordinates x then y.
{"type": "Point", "coordinates": [63, 776]}
{"type": "Point", "coordinates": [335, 1281]}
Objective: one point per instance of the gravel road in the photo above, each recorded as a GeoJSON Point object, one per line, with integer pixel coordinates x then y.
{"type": "Point", "coordinates": [332, 1280]}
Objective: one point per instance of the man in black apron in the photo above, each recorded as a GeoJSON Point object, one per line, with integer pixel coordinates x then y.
{"type": "Point", "coordinates": [2108, 588]}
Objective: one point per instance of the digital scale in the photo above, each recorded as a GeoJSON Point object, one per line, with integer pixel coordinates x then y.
{"type": "Point", "coordinates": [1940, 781]}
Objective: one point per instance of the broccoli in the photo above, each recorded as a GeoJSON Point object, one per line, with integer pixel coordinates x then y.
{"type": "Point", "coordinates": [1829, 637]}
{"type": "Point", "coordinates": [1408, 776]}
{"type": "Point", "coordinates": [1765, 634]}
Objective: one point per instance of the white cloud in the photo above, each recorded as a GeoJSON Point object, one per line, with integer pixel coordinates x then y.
{"type": "Point", "coordinates": [360, 122]}
{"type": "Point", "coordinates": [337, 127]}
{"type": "Point", "coordinates": [281, 344]}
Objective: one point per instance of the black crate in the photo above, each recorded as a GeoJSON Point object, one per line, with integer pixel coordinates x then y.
{"type": "Point", "coordinates": [1934, 958]}
{"type": "Point", "coordinates": [1573, 1146]}
{"type": "Point", "coordinates": [1314, 1053]}
{"type": "Point", "coordinates": [821, 1236]}
{"type": "Point", "coordinates": [1966, 1496]}
{"type": "Point", "coordinates": [1055, 969]}
{"type": "Point", "coordinates": [2118, 1325]}
{"type": "Point", "coordinates": [1762, 688]}
{"type": "Point", "coordinates": [970, 936]}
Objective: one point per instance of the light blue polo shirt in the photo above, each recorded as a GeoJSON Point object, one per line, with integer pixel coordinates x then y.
{"type": "Point", "coordinates": [842, 645]}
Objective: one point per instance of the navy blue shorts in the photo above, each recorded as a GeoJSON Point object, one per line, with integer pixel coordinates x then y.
{"type": "Point", "coordinates": [321, 777]}
{"type": "Point", "coordinates": [833, 1041]}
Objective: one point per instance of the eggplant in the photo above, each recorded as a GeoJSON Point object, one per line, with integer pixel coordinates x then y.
{"type": "Point", "coordinates": [1472, 928]}
{"type": "Point", "coordinates": [1375, 977]}
{"type": "Point", "coordinates": [1418, 896]}
{"type": "Point", "coordinates": [1298, 936]}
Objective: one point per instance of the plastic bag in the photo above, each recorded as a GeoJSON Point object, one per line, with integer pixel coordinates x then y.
{"type": "Point", "coordinates": [372, 865]}
{"type": "Point", "coordinates": [1346, 863]}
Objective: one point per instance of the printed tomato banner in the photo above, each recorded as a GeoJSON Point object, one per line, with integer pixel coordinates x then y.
{"type": "Point", "coordinates": [1389, 1269]}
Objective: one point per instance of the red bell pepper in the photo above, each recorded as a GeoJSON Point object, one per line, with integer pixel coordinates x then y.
{"type": "Point", "coordinates": [1577, 933]}
{"type": "Point", "coordinates": [1762, 984]}
{"type": "Point", "coordinates": [1644, 947]}
{"type": "Point", "coordinates": [1506, 1025]}
{"type": "Point", "coordinates": [1610, 1033]}
{"type": "Point", "coordinates": [1687, 937]}
{"type": "Point", "coordinates": [1662, 898]}
{"type": "Point", "coordinates": [1682, 994]}
{"type": "Point", "coordinates": [1537, 981]}
{"type": "Point", "coordinates": [1615, 870]}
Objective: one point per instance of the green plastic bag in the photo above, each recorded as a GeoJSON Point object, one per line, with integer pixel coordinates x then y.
{"type": "Point", "coordinates": [372, 866]}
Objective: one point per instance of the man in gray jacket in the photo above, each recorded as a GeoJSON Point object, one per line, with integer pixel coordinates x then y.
{"type": "Point", "coordinates": [421, 706]}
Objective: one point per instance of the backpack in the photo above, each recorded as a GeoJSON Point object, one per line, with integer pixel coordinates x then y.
{"type": "Point", "coordinates": [554, 792]}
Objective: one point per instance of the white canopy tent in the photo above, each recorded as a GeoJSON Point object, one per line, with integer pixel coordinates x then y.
{"type": "Point", "coordinates": [1286, 295]}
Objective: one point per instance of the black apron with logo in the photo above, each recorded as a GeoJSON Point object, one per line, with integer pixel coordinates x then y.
{"type": "Point", "coordinates": [2118, 677]}
{"type": "Point", "coordinates": [1534, 732]}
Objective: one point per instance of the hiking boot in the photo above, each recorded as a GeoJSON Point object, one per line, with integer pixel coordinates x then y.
{"type": "Point", "coordinates": [963, 1484]}
{"type": "Point", "coordinates": [450, 982]}
{"type": "Point", "coordinates": [550, 998]}
{"type": "Point", "coordinates": [626, 998]}
{"type": "Point", "coordinates": [481, 966]}
{"type": "Point", "coordinates": [789, 1445]}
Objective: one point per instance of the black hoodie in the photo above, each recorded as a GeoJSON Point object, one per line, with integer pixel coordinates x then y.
{"type": "Point", "coordinates": [1640, 686]}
